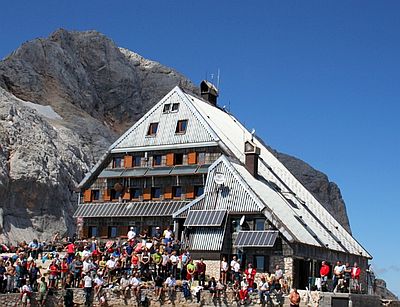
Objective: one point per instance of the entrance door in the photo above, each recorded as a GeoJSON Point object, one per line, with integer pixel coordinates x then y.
{"type": "Point", "coordinates": [302, 272]}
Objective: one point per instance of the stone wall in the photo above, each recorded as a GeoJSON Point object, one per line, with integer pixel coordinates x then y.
{"type": "Point", "coordinates": [115, 299]}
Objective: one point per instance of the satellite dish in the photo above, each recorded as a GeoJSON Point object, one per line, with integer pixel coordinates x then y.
{"type": "Point", "coordinates": [219, 178]}
{"type": "Point", "coordinates": [242, 220]}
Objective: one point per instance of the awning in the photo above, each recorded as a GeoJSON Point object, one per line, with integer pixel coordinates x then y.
{"type": "Point", "coordinates": [111, 173]}
{"type": "Point", "coordinates": [205, 218]}
{"type": "Point", "coordinates": [206, 239]}
{"type": "Point", "coordinates": [165, 208]}
{"type": "Point", "coordinates": [135, 172]}
{"type": "Point", "coordinates": [261, 238]}
{"type": "Point", "coordinates": [159, 171]}
{"type": "Point", "coordinates": [184, 170]}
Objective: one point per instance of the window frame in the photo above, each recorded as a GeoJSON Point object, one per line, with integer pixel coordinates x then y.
{"type": "Point", "coordinates": [174, 192]}
{"type": "Point", "coordinates": [181, 126]}
{"type": "Point", "coordinates": [132, 190]}
{"type": "Point", "coordinates": [95, 192]}
{"type": "Point", "coordinates": [135, 160]}
{"type": "Point", "coordinates": [153, 189]}
{"type": "Point", "coordinates": [174, 105]}
{"type": "Point", "coordinates": [115, 164]}
{"type": "Point", "coordinates": [154, 160]}
{"type": "Point", "coordinates": [256, 221]}
{"type": "Point", "coordinates": [178, 155]}
{"type": "Point", "coordinates": [196, 190]}
{"type": "Point", "coordinates": [150, 129]}
{"type": "Point", "coordinates": [167, 109]}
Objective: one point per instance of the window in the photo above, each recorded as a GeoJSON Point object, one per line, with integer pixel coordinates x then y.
{"type": "Point", "coordinates": [167, 107]}
{"type": "Point", "coordinates": [181, 126]}
{"type": "Point", "coordinates": [152, 129]}
{"type": "Point", "coordinates": [201, 158]}
{"type": "Point", "coordinates": [198, 190]}
{"type": "Point", "coordinates": [112, 231]}
{"type": "Point", "coordinates": [259, 224]}
{"type": "Point", "coordinates": [155, 192]}
{"type": "Point", "coordinates": [261, 263]}
{"type": "Point", "coordinates": [115, 195]}
{"type": "Point", "coordinates": [176, 192]}
{"type": "Point", "coordinates": [93, 231]}
{"type": "Point", "coordinates": [175, 107]}
{"type": "Point", "coordinates": [178, 159]}
{"type": "Point", "coordinates": [117, 162]}
{"type": "Point", "coordinates": [137, 161]}
{"type": "Point", "coordinates": [136, 193]}
{"type": "Point", "coordinates": [95, 195]}
{"type": "Point", "coordinates": [157, 160]}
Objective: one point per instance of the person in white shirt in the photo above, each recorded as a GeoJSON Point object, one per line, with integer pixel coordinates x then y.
{"type": "Point", "coordinates": [131, 234]}
{"type": "Point", "coordinates": [338, 272]}
{"type": "Point", "coordinates": [236, 269]}
{"type": "Point", "coordinates": [110, 265]}
{"type": "Point", "coordinates": [136, 284]}
{"type": "Point", "coordinates": [224, 270]}
{"type": "Point", "coordinates": [232, 265]}
{"type": "Point", "coordinates": [170, 284]}
{"type": "Point", "coordinates": [98, 285]}
{"type": "Point", "coordinates": [87, 281]}
{"type": "Point", "coordinates": [124, 284]}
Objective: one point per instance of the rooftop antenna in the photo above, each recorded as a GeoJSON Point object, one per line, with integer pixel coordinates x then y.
{"type": "Point", "coordinates": [252, 134]}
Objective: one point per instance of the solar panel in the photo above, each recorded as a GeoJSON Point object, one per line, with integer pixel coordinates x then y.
{"type": "Point", "coordinates": [159, 171]}
{"type": "Point", "coordinates": [205, 218]}
{"type": "Point", "coordinates": [262, 238]}
{"type": "Point", "coordinates": [135, 172]}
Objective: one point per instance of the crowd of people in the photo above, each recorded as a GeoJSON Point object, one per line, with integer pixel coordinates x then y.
{"type": "Point", "coordinates": [157, 262]}
{"type": "Point", "coordinates": [345, 278]}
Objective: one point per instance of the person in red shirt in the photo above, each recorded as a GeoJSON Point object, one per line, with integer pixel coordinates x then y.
{"type": "Point", "coordinates": [243, 295]}
{"type": "Point", "coordinates": [70, 248]}
{"type": "Point", "coordinates": [201, 271]}
{"type": "Point", "coordinates": [53, 274]}
{"type": "Point", "coordinates": [250, 273]}
{"type": "Point", "coordinates": [64, 271]}
{"type": "Point", "coordinates": [324, 272]}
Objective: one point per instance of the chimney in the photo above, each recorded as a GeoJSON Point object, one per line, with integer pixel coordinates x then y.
{"type": "Point", "coordinates": [251, 162]}
{"type": "Point", "coordinates": [209, 92]}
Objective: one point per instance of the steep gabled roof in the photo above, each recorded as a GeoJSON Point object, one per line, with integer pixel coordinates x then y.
{"type": "Point", "coordinates": [233, 135]}
{"type": "Point", "coordinates": [198, 131]}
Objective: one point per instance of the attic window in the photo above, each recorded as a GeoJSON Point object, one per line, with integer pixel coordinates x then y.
{"type": "Point", "coordinates": [167, 107]}
{"type": "Point", "coordinates": [175, 107]}
{"type": "Point", "coordinates": [181, 126]}
{"type": "Point", "coordinates": [117, 162]}
{"type": "Point", "coordinates": [152, 129]}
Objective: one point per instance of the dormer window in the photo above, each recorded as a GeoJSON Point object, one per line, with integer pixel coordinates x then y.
{"type": "Point", "coordinates": [137, 161]}
{"type": "Point", "coordinates": [167, 107]}
{"type": "Point", "coordinates": [152, 129]}
{"type": "Point", "coordinates": [175, 107]}
{"type": "Point", "coordinates": [181, 126]}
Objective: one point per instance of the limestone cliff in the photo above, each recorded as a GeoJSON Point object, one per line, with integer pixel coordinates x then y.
{"type": "Point", "coordinates": [63, 101]}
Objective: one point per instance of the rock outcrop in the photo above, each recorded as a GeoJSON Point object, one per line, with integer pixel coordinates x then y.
{"type": "Point", "coordinates": [63, 101]}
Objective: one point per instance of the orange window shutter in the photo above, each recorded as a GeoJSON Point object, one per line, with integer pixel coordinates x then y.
{"type": "Point", "coordinates": [128, 161]}
{"type": "Point", "coordinates": [147, 194]}
{"type": "Point", "coordinates": [106, 195]}
{"type": "Point", "coordinates": [168, 193]}
{"type": "Point", "coordinates": [192, 158]}
{"type": "Point", "coordinates": [127, 195]}
{"type": "Point", "coordinates": [190, 192]}
{"type": "Point", "coordinates": [87, 196]}
{"type": "Point", "coordinates": [170, 159]}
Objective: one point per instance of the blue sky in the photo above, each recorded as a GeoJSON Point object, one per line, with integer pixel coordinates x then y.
{"type": "Point", "coordinates": [319, 80]}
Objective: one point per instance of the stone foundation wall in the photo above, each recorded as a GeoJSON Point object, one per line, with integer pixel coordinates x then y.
{"type": "Point", "coordinates": [115, 299]}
